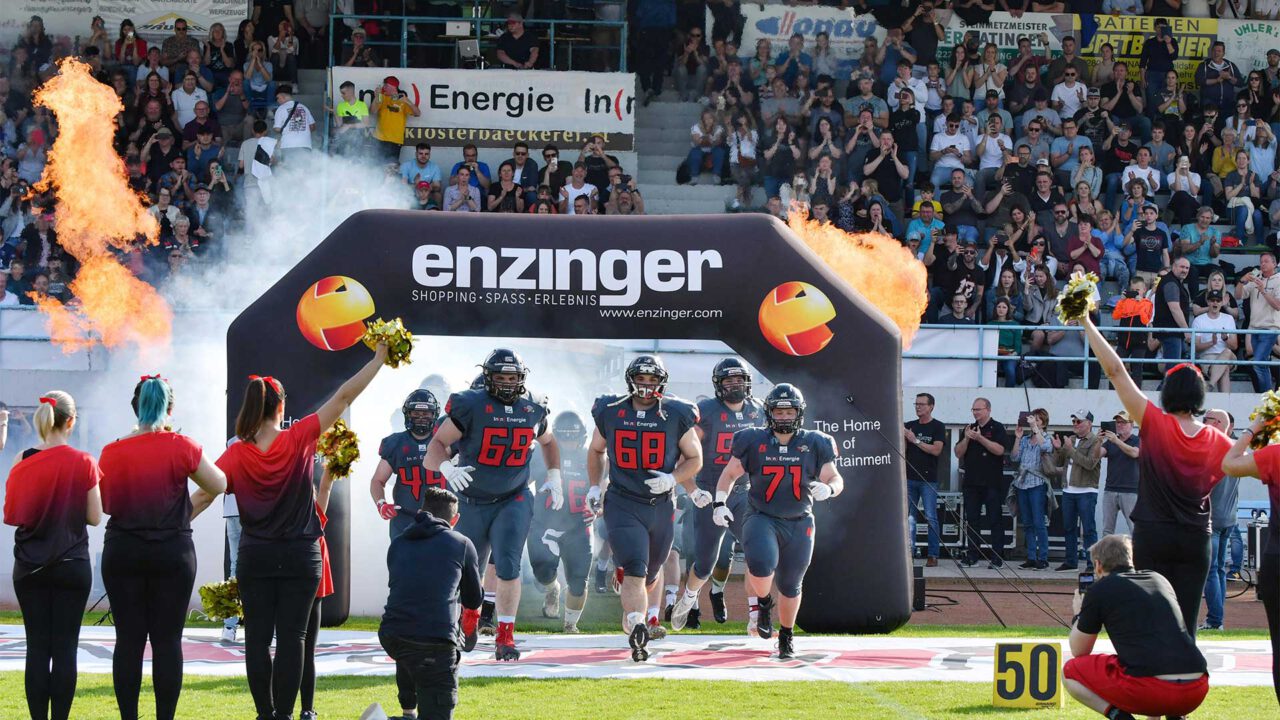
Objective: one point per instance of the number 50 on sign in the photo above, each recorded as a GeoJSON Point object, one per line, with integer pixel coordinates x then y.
{"type": "Point", "coordinates": [1028, 675]}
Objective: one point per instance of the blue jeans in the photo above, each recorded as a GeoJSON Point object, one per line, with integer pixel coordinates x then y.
{"type": "Point", "coordinates": [1241, 216]}
{"type": "Point", "coordinates": [967, 233]}
{"type": "Point", "coordinates": [940, 176]}
{"type": "Point", "coordinates": [1081, 508]}
{"type": "Point", "coordinates": [1009, 369]}
{"type": "Point", "coordinates": [1237, 549]}
{"type": "Point", "coordinates": [1172, 349]}
{"type": "Point", "coordinates": [696, 155]}
{"type": "Point", "coordinates": [918, 491]}
{"type": "Point", "coordinates": [233, 549]}
{"type": "Point", "coordinates": [1215, 586]}
{"type": "Point", "coordinates": [1262, 344]}
{"type": "Point", "coordinates": [261, 100]}
{"type": "Point", "coordinates": [1032, 503]}
{"type": "Point", "coordinates": [1112, 184]}
{"type": "Point", "coordinates": [1114, 265]}
{"type": "Point", "coordinates": [773, 185]}
{"type": "Point", "coordinates": [911, 159]}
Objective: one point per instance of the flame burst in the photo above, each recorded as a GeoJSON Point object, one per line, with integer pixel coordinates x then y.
{"type": "Point", "coordinates": [97, 211]}
{"type": "Point", "coordinates": [877, 266]}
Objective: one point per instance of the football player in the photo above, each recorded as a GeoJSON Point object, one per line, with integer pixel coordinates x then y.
{"type": "Point", "coordinates": [788, 469]}
{"type": "Point", "coordinates": [494, 429]}
{"type": "Point", "coordinates": [651, 446]}
{"type": "Point", "coordinates": [563, 536]}
{"type": "Point", "coordinates": [401, 455]}
{"type": "Point", "coordinates": [719, 418]}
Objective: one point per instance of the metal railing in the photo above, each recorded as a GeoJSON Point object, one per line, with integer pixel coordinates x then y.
{"type": "Point", "coordinates": [571, 34]}
{"type": "Point", "coordinates": [1087, 360]}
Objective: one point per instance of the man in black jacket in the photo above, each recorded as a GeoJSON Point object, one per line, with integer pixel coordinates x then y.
{"type": "Point", "coordinates": [433, 570]}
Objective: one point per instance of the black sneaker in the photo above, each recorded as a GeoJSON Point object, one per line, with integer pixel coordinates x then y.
{"type": "Point", "coordinates": [968, 562]}
{"type": "Point", "coordinates": [717, 607]}
{"type": "Point", "coordinates": [786, 648]}
{"type": "Point", "coordinates": [601, 575]}
{"type": "Point", "coordinates": [1066, 567]}
{"type": "Point", "coordinates": [1042, 565]}
{"type": "Point", "coordinates": [667, 613]}
{"type": "Point", "coordinates": [638, 639]}
{"type": "Point", "coordinates": [764, 618]}
{"type": "Point", "coordinates": [308, 715]}
{"type": "Point", "coordinates": [694, 621]}
{"type": "Point", "coordinates": [995, 564]}
{"type": "Point", "coordinates": [1028, 565]}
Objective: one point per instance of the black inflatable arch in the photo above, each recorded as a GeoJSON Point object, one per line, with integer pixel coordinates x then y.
{"type": "Point", "coordinates": [684, 277]}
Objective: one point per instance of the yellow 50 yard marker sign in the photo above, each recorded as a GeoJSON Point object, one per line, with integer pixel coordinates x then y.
{"type": "Point", "coordinates": [1028, 675]}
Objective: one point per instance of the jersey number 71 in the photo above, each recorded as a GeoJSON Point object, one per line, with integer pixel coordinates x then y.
{"type": "Point", "coordinates": [775, 474]}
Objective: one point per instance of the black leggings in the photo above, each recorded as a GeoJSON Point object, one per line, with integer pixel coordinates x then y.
{"type": "Point", "coordinates": [308, 689]}
{"type": "Point", "coordinates": [149, 585]}
{"type": "Point", "coordinates": [1179, 553]}
{"type": "Point", "coordinates": [278, 585]}
{"type": "Point", "coordinates": [52, 601]}
{"type": "Point", "coordinates": [1269, 591]}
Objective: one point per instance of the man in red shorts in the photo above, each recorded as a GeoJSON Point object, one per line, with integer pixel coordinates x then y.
{"type": "Point", "coordinates": [1157, 669]}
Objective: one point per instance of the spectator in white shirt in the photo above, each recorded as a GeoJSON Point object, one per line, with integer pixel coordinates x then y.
{"type": "Point", "coordinates": [1069, 95]}
{"type": "Point", "coordinates": [185, 99]}
{"type": "Point", "coordinates": [1218, 341]}
{"type": "Point", "coordinates": [1142, 170]}
{"type": "Point", "coordinates": [576, 186]}
{"type": "Point", "coordinates": [293, 121]}
{"type": "Point", "coordinates": [949, 150]}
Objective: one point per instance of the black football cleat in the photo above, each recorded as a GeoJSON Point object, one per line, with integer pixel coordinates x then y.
{"type": "Point", "coordinates": [695, 621]}
{"type": "Point", "coordinates": [601, 588]}
{"type": "Point", "coordinates": [717, 608]}
{"type": "Point", "coordinates": [638, 639]}
{"type": "Point", "coordinates": [470, 622]}
{"type": "Point", "coordinates": [764, 618]}
{"type": "Point", "coordinates": [786, 646]}
{"type": "Point", "coordinates": [506, 653]}
{"type": "Point", "coordinates": [667, 613]}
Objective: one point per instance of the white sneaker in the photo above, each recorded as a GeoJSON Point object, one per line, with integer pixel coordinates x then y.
{"type": "Point", "coordinates": [680, 611]}
{"type": "Point", "coordinates": [228, 634]}
{"type": "Point", "coordinates": [693, 179]}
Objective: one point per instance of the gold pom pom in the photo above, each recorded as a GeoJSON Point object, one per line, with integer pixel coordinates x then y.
{"type": "Point", "coordinates": [1078, 297]}
{"type": "Point", "coordinates": [1269, 413]}
{"type": "Point", "coordinates": [221, 600]}
{"type": "Point", "coordinates": [340, 449]}
{"type": "Point", "coordinates": [399, 340]}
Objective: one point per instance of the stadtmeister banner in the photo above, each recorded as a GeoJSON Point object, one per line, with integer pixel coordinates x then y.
{"type": "Point", "coordinates": [66, 19]}
{"type": "Point", "coordinates": [495, 108]}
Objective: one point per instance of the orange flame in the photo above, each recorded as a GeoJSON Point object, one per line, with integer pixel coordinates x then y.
{"type": "Point", "coordinates": [877, 266]}
{"type": "Point", "coordinates": [97, 211]}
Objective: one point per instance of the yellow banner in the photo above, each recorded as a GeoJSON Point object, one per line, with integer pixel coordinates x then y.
{"type": "Point", "coordinates": [1128, 33]}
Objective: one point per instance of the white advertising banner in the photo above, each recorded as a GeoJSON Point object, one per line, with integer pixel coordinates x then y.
{"type": "Point", "coordinates": [495, 108]}
{"type": "Point", "coordinates": [1004, 30]}
{"type": "Point", "coordinates": [778, 23]}
{"type": "Point", "coordinates": [66, 19]}
{"type": "Point", "coordinates": [1248, 41]}
{"type": "Point", "coordinates": [955, 362]}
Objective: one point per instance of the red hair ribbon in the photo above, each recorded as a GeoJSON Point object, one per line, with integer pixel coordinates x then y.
{"type": "Point", "coordinates": [275, 384]}
{"type": "Point", "coordinates": [145, 378]}
{"type": "Point", "coordinates": [49, 401]}
{"type": "Point", "coordinates": [1181, 366]}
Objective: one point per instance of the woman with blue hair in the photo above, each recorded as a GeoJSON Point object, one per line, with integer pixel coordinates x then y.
{"type": "Point", "coordinates": [148, 559]}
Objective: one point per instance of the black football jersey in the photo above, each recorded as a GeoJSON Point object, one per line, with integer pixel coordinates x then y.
{"type": "Point", "coordinates": [497, 440]}
{"type": "Point", "coordinates": [641, 440]}
{"type": "Point", "coordinates": [573, 473]}
{"type": "Point", "coordinates": [719, 424]}
{"type": "Point", "coordinates": [780, 474]}
{"type": "Point", "coordinates": [404, 453]}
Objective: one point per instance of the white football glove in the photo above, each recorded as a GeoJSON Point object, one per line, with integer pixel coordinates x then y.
{"type": "Point", "coordinates": [819, 491]}
{"type": "Point", "coordinates": [701, 498]}
{"type": "Point", "coordinates": [554, 486]}
{"type": "Point", "coordinates": [661, 482]}
{"type": "Point", "coordinates": [593, 498]}
{"type": "Point", "coordinates": [459, 478]}
{"type": "Point", "coordinates": [722, 516]}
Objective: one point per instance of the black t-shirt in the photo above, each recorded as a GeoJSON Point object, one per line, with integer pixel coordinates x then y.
{"type": "Point", "coordinates": [981, 467]}
{"type": "Point", "coordinates": [886, 176]}
{"type": "Point", "coordinates": [518, 49]}
{"type": "Point", "coordinates": [1124, 106]}
{"type": "Point", "coordinates": [1093, 125]}
{"type": "Point", "coordinates": [1120, 156]}
{"type": "Point", "coordinates": [508, 204]}
{"type": "Point", "coordinates": [1171, 290]}
{"type": "Point", "coordinates": [902, 124]}
{"type": "Point", "coordinates": [598, 169]}
{"type": "Point", "coordinates": [974, 274]}
{"type": "Point", "coordinates": [964, 215]}
{"type": "Point", "coordinates": [1140, 613]}
{"type": "Point", "coordinates": [1150, 245]}
{"type": "Point", "coordinates": [920, 464]}
{"type": "Point", "coordinates": [1122, 470]}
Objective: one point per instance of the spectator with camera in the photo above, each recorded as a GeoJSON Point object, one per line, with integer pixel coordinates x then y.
{"type": "Point", "coordinates": [479, 171]}
{"type": "Point", "coordinates": [1079, 458]}
{"type": "Point", "coordinates": [1157, 669]}
{"type": "Point", "coordinates": [1031, 486]}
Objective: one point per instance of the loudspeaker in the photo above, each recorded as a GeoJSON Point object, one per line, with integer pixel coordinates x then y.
{"type": "Point", "coordinates": [917, 588]}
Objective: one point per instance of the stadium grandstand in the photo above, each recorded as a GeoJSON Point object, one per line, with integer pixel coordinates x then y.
{"type": "Point", "coordinates": [1006, 146]}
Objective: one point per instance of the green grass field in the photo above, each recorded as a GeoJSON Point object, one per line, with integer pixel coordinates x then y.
{"type": "Point", "coordinates": [205, 698]}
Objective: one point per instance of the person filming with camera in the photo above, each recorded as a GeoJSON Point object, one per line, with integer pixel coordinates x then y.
{"type": "Point", "coordinates": [1156, 669]}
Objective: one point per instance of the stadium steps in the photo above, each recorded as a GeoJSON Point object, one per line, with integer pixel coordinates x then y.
{"type": "Point", "coordinates": [662, 143]}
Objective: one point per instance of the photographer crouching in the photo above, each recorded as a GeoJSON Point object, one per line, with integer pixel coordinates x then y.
{"type": "Point", "coordinates": [1157, 669]}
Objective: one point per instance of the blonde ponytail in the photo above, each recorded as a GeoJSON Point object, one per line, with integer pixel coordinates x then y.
{"type": "Point", "coordinates": [56, 410]}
